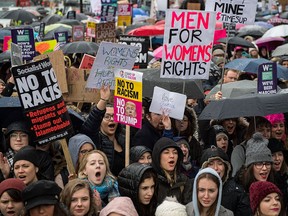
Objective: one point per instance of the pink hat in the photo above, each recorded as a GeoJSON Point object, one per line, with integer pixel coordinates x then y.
{"type": "Point", "coordinates": [238, 48]}
{"type": "Point", "coordinates": [120, 205]}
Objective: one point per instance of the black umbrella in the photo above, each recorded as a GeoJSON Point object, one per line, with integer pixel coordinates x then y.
{"type": "Point", "coordinates": [80, 47]}
{"type": "Point", "coordinates": [151, 78]}
{"type": "Point", "coordinates": [237, 41]}
{"type": "Point", "coordinates": [50, 35]}
{"type": "Point", "coordinates": [22, 15]}
{"type": "Point", "coordinates": [245, 106]}
{"type": "Point", "coordinates": [5, 56]}
{"type": "Point", "coordinates": [70, 22]}
{"type": "Point", "coordinates": [51, 19]}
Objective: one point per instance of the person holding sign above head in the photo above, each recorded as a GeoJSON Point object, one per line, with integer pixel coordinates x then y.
{"type": "Point", "coordinates": [105, 132]}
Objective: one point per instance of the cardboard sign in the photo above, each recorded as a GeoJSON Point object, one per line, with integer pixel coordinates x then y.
{"type": "Point", "coordinates": [87, 62]}
{"type": "Point", "coordinates": [109, 57]}
{"type": "Point", "coordinates": [193, 6]}
{"type": "Point", "coordinates": [78, 33]}
{"type": "Point", "coordinates": [77, 80]}
{"type": "Point", "coordinates": [236, 11]}
{"type": "Point", "coordinates": [128, 97]}
{"type": "Point", "coordinates": [188, 42]}
{"type": "Point", "coordinates": [45, 47]}
{"type": "Point", "coordinates": [169, 103]}
{"type": "Point", "coordinates": [61, 37]}
{"type": "Point", "coordinates": [90, 29]}
{"type": "Point", "coordinates": [16, 55]}
{"type": "Point", "coordinates": [41, 33]}
{"type": "Point", "coordinates": [57, 61]}
{"type": "Point", "coordinates": [105, 32]}
{"type": "Point", "coordinates": [42, 101]}
{"type": "Point", "coordinates": [24, 38]}
{"type": "Point", "coordinates": [143, 43]}
{"type": "Point", "coordinates": [7, 43]}
{"type": "Point", "coordinates": [267, 78]}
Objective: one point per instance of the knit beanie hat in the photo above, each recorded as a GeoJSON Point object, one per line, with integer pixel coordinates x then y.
{"type": "Point", "coordinates": [11, 183]}
{"type": "Point", "coordinates": [27, 153]}
{"type": "Point", "coordinates": [259, 190]}
{"type": "Point", "coordinates": [170, 207]}
{"type": "Point", "coordinates": [120, 205]}
{"type": "Point", "coordinates": [181, 140]}
{"type": "Point", "coordinates": [257, 150]}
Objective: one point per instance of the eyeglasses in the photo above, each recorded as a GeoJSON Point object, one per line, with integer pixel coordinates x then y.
{"type": "Point", "coordinates": [20, 135]}
{"type": "Point", "coordinates": [84, 151]}
{"type": "Point", "coordinates": [108, 117]}
{"type": "Point", "coordinates": [259, 165]}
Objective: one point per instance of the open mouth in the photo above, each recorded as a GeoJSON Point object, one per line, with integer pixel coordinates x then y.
{"type": "Point", "coordinates": [264, 175]}
{"type": "Point", "coordinates": [112, 125]}
{"type": "Point", "coordinates": [98, 174]}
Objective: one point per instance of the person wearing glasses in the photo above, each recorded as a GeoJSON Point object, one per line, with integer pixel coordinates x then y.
{"type": "Point", "coordinates": [258, 163]}
{"type": "Point", "coordinates": [105, 132]}
{"type": "Point", "coordinates": [17, 137]}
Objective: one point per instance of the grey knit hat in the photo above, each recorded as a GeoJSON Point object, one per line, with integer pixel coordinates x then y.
{"type": "Point", "coordinates": [257, 150]}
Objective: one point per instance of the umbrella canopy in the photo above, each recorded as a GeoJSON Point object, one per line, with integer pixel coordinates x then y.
{"type": "Point", "coordinates": [50, 34]}
{"type": "Point", "coordinates": [134, 26]}
{"type": "Point", "coordinates": [245, 106]}
{"type": "Point", "coordinates": [157, 53]}
{"type": "Point", "coordinates": [277, 31]}
{"type": "Point", "coordinates": [151, 78]}
{"type": "Point", "coordinates": [70, 22]}
{"type": "Point", "coordinates": [56, 25]}
{"type": "Point", "coordinates": [19, 15]}
{"type": "Point", "coordinates": [270, 42]}
{"type": "Point", "coordinates": [234, 89]}
{"type": "Point", "coordinates": [277, 21]}
{"type": "Point", "coordinates": [280, 50]}
{"type": "Point", "coordinates": [264, 24]}
{"type": "Point", "coordinates": [237, 41]}
{"type": "Point", "coordinates": [80, 47]}
{"type": "Point", "coordinates": [252, 30]}
{"type": "Point", "coordinates": [251, 65]}
{"type": "Point", "coordinates": [5, 56]}
{"type": "Point", "coordinates": [149, 30]}
{"type": "Point", "coordinates": [51, 19]}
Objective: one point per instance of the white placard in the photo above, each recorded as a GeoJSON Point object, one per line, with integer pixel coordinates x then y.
{"type": "Point", "coordinates": [236, 11]}
{"type": "Point", "coordinates": [188, 43]}
{"type": "Point", "coordinates": [110, 56]}
{"type": "Point", "coordinates": [168, 103]}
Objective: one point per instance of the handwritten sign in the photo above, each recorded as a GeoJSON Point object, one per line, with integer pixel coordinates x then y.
{"type": "Point", "coordinates": [188, 42]}
{"type": "Point", "coordinates": [169, 103]}
{"type": "Point", "coordinates": [105, 32]}
{"type": "Point", "coordinates": [87, 62]}
{"type": "Point", "coordinates": [143, 43]}
{"type": "Point", "coordinates": [111, 56]}
{"type": "Point", "coordinates": [128, 97]}
{"type": "Point", "coordinates": [42, 101]}
{"type": "Point", "coordinates": [24, 37]}
{"type": "Point", "coordinates": [236, 11]}
{"type": "Point", "coordinates": [267, 78]}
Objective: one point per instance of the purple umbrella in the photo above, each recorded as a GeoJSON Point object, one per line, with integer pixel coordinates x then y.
{"type": "Point", "coordinates": [270, 42]}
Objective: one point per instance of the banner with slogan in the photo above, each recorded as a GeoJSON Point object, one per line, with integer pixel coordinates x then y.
{"type": "Point", "coordinates": [267, 78]}
{"type": "Point", "coordinates": [105, 32]}
{"type": "Point", "coordinates": [128, 97]}
{"type": "Point", "coordinates": [87, 62]}
{"type": "Point", "coordinates": [61, 38]}
{"type": "Point", "coordinates": [169, 103]}
{"type": "Point", "coordinates": [42, 101]}
{"type": "Point", "coordinates": [188, 43]}
{"type": "Point", "coordinates": [124, 14]}
{"type": "Point", "coordinates": [110, 56]}
{"type": "Point", "coordinates": [236, 11]}
{"type": "Point", "coordinates": [90, 29]}
{"type": "Point", "coordinates": [24, 37]}
{"type": "Point", "coordinates": [143, 43]}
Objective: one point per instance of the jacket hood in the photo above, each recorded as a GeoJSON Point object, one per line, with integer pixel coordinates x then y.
{"type": "Point", "coordinates": [129, 179]}
{"type": "Point", "coordinates": [194, 196]}
{"type": "Point", "coordinates": [75, 143]}
{"type": "Point", "coordinates": [192, 117]}
{"type": "Point", "coordinates": [137, 151]}
{"type": "Point", "coordinates": [162, 144]}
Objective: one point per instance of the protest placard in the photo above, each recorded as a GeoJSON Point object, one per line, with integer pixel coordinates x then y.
{"type": "Point", "coordinates": [188, 43]}
{"type": "Point", "coordinates": [78, 33]}
{"type": "Point", "coordinates": [42, 101]}
{"type": "Point", "coordinates": [87, 62]}
{"type": "Point", "coordinates": [124, 15]}
{"type": "Point", "coordinates": [267, 78]}
{"type": "Point", "coordinates": [7, 43]}
{"type": "Point", "coordinates": [108, 13]}
{"type": "Point", "coordinates": [45, 47]}
{"type": "Point", "coordinates": [71, 15]}
{"type": "Point", "coordinates": [143, 43]}
{"type": "Point", "coordinates": [128, 97]}
{"type": "Point", "coordinates": [16, 55]}
{"type": "Point", "coordinates": [90, 29]}
{"type": "Point", "coordinates": [236, 11]}
{"type": "Point", "coordinates": [61, 37]}
{"type": "Point", "coordinates": [24, 37]}
{"type": "Point", "coordinates": [57, 61]}
{"type": "Point", "coordinates": [105, 32]}
{"type": "Point", "coordinates": [168, 103]}
{"type": "Point", "coordinates": [76, 80]}
{"type": "Point", "coordinates": [110, 56]}
{"type": "Point", "coordinates": [41, 33]}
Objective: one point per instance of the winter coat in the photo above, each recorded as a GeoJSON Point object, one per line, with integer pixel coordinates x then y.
{"type": "Point", "coordinates": [192, 207]}
{"type": "Point", "coordinates": [128, 183]}
{"type": "Point", "coordinates": [136, 152]}
{"type": "Point", "coordinates": [91, 127]}
{"type": "Point", "coordinates": [182, 188]}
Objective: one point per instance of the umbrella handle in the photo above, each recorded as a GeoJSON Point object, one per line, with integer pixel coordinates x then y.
{"type": "Point", "coordinates": [67, 61]}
